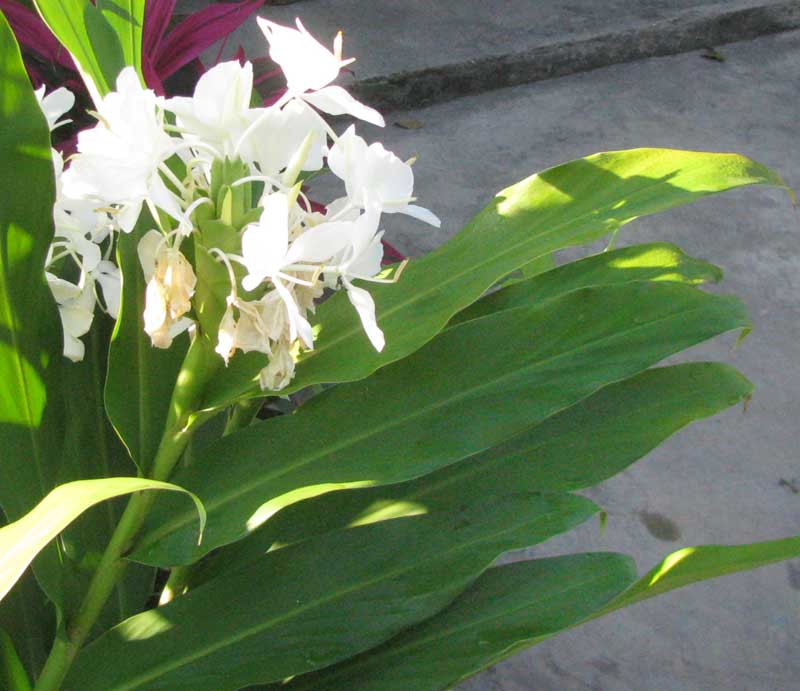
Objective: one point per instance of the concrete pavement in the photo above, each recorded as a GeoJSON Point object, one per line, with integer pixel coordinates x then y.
{"type": "Point", "coordinates": [419, 52]}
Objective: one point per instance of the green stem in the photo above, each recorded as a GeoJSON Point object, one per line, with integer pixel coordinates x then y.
{"type": "Point", "coordinates": [110, 569]}
{"type": "Point", "coordinates": [242, 414]}
{"type": "Point", "coordinates": [180, 426]}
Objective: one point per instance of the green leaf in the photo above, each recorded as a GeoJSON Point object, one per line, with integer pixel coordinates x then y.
{"type": "Point", "coordinates": [692, 564]}
{"type": "Point", "coordinates": [311, 604]}
{"type": "Point", "coordinates": [570, 204]}
{"type": "Point", "coordinates": [89, 36]}
{"type": "Point", "coordinates": [473, 387]}
{"type": "Point", "coordinates": [23, 539]}
{"type": "Point", "coordinates": [31, 361]}
{"type": "Point", "coordinates": [12, 673]}
{"type": "Point", "coordinates": [93, 450]}
{"type": "Point", "coordinates": [604, 434]}
{"type": "Point", "coordinates": [126, 17]}
{"type": "Point", "coordinates": [141, 378]}
{"type": "Point", "coordinates": [30, 620]}
{"type": "Point", "coordinates": [649, 262]}
{"type": "Point", "coordinates": [581, 446]}
{"type": "Point", "coordinates": [507, 608]}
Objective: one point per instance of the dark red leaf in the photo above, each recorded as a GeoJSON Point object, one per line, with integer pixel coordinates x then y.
{"type": "Point", "coordinates": [157, 16]}
{"type": "Point", "coordinates": [198, 32]}
{"type": "Point", "coordinates": [33, 34]}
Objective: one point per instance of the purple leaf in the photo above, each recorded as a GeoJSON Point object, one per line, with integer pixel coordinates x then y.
{"type": "Point", "coordinates": [33, 34]}
{"type": "Point", "coordinates": [156, 22]}
{"type": "Point", "coordinates": [198, 32]}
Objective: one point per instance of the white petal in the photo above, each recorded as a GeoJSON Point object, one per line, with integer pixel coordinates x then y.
{"type": "Point", "coordinates": [128, 216]}
{"type": "Point", "coordinates": [320, 243]}
{"type": "Point", "coordinates": [304, 61]}
{"type": "Point", "coordinates": [147, 249]}
{"type": "Point", "coordinates": [334, 100]}
{"type": "Point", "coordinates": [108, 276]}
{"type": "Point", "coordinates": [73, 348]}
{"type": "Point", "coordinates": [422, 214]}
{"type": "Point", "coordinates": [298, 325]}
{"type": "Point", "coordinates": [365, 306]}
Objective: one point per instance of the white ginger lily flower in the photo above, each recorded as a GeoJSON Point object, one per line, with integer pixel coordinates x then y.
{"type": "Point", "coordinates": [170, 287]}
{"type": "Point", "coordinates": [280, 370]}
{"type": "Point", "coordinates": [107, 274]}
{"type": "Point", "coordinates": [268, 254]}
{"type": "Point", "coordinates": [55, 104]}
{"type": "Point", "coordinates": [373, 175]}
{"type": "Point", "coordinates": [219, 112]}
{"type": "Point", "coordinates": [260, 324]}
{"type": "Point", "coordinates": [119, 158]}
{"type": "Point", "coordinates": [76, 309]}
{"type": "Point", "coordinates": [277, 134]}
{"type": "Point", "coordinates": [309, 68]}
{"type": "Point", "coordinates": [362, 259]}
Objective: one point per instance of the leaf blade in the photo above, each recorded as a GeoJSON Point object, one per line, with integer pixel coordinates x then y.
{"type": "Point", "coordinates": [320, 448]}
{"type": "Point", "coordinates": [566, 205]}
{"type": "Point", "coordinates": [23, 539]}
{"type": "Point", "coordinates": [339, 593]}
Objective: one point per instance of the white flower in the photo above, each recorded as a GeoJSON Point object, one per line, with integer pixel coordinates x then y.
{"type": "Point", "coordinates": [76, 309]}
{"type": "Point", "coordinates": [170, 287]}
{"type": "Point", "coordinates": [279, 133]}
{"type": "Point", "coordinates": [375, 176]}
{"type": "Point", "coordinates": [219, 111]}
{"type": "Point", "coordinates": [119, 158]}
{"type": "Point", "coordinates": [309, 68]}
{"type": "Point", "coordinates": [362, 259]}
{"type": "Point", "coordinates": [280, 370]}
{"type": "Point", "coordinates": [55, 104]}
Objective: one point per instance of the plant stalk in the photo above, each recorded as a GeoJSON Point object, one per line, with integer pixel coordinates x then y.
{"type": "Point", "coordinates": [110, 569]}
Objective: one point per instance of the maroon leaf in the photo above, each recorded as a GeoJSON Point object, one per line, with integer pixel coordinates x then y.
{"type": "Point", "coordinates": [33, 34]}
{"type": "Point", "coordinates": [156, 22]}
{"type": "Point", "coordinates": [198, 32]}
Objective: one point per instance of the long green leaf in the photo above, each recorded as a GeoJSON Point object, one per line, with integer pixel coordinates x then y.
{"type": "Point", "coordinates": [31, 363]}
{"type": "Point", "coordinates": [12, 673]}
{"type": "Point", "coordinates": [89, 37]}
{"type": "Point", "coordinates": [23, 539]}
{"type": "Point", "coordinates": [570, 204]}
{"type": "Point", "coordinates": [693, 564]}
{"type": "Point", "coordinates": [312, 604]}
{"type": "Point", "coordinates": [126, 17]}
{"type": "Point", "coordinates": [473, 387]}
{"type": "Point", "coordinates": [141, 378]}
{"type": "Point", "coordinates": [30, 620]}
{"type": "Point", "coordinates": [508, 607]}
{"type": "Point", "coordinates": [581, 446]}
{"type": "Point", "coordinates": [93, 450]}
{"type": "Point", "coordinates": [649, 262]}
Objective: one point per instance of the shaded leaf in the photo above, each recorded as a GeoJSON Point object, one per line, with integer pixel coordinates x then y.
{"type": "Point", "coordinates": [581, 446]}
{"type": "Point", "coordinates": [337, 594]}
{"type": "Point", "coordinates": [141, 378]}
{"type": "Point", "coordinates": [430, 410]}
{"type": "Point", "coordinates": [508, 607]}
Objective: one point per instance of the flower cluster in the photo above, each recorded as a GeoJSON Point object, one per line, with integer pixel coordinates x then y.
{"type": "Point", "coordinates": [211, 176]}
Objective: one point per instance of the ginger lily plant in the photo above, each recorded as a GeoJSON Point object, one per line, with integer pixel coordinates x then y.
{"type": "Point", "coordinates": [171, 283]}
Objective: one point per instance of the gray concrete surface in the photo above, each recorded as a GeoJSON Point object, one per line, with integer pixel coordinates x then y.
{"type": "Point", "coordinates": [419, 52]}
{"type": "Point", "coordinates": [721, 481]}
